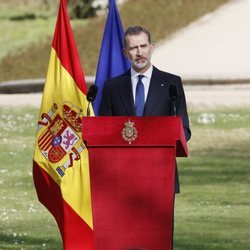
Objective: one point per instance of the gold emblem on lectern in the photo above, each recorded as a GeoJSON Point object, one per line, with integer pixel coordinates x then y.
{"type": "Point", "coordinates": [129, 132]}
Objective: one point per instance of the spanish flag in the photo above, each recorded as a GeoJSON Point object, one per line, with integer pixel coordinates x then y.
{"type": "Point", "coordinates": [61, 165]}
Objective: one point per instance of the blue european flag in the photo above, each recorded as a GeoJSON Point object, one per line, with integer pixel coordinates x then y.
{"type": "Point", "coordinates": [112, 62]}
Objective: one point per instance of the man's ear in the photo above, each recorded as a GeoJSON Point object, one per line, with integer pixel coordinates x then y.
{"type": "Point", "coordinates": [124, 52]}
{"type": "Point", "coordinates": [152, 46]}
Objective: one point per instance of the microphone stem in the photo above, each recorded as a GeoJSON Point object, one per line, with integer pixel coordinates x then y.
{"type": "Point", "coordinates": [174, 107]}
{"type": "Point", "coordinates": [88, 111]}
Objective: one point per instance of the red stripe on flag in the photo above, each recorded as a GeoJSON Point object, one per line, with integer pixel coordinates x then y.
{"type": "Point", "coordinates": [45, 141]}
{"type": "Point", "coordinates": [75, 233]}
{"type": "Point", "coordinates": [64, 45]}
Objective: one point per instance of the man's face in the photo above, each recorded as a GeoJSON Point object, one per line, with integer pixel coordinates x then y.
{"type": "Point", "coordinates": [138, 50]}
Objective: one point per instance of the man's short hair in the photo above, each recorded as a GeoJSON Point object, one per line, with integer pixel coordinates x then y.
{"type": "Point", "coordinates": [135, 30]}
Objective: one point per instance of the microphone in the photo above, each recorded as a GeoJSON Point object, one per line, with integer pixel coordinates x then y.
{"type": "Point", "coordinates": [173, 95]}
{"type": "Point", "coordinates": [91, 95]}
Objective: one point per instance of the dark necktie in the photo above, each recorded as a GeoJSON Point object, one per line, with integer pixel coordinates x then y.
{"type": "Point", "coordinates": [139, 97]}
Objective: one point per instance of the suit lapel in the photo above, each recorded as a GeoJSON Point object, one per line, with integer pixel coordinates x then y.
{"type": "Point", "coordinates": [158, 81]}
{"type": "Point", "coordinates": [125, 91]}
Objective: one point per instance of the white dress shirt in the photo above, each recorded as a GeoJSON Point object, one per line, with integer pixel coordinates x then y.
{"type": "Point", "coordinates": [145, 80]}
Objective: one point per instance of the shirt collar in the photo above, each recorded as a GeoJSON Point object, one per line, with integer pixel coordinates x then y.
{"type": "Point", "coordinates": [147, 74]}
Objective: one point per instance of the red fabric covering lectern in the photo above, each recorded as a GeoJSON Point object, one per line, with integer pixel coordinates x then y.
{"type": "Point", "coordinates": [132, 165]}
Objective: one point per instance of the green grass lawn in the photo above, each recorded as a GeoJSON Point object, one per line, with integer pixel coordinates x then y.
{"type": "Point", "coordinates": [24, 223]}
{"type": "Point", "coordinates": [212, 211]}
{"type": "Point", "coordinates": [20, 31]}
{"type": "Point", "coordinates": [23, 23]}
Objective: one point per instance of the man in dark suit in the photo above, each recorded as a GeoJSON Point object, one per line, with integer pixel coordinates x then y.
{"type": "Point", "coordinates": [144, 90]}
{"type": "Point", "coordinates": [119, 93]}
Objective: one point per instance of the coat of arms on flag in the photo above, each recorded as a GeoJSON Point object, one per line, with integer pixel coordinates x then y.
{"type": "Point", "coordinates": [61, 138]}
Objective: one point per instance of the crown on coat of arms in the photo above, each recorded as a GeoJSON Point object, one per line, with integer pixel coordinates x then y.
{"type": "Point", "coordinates": [73, 115]}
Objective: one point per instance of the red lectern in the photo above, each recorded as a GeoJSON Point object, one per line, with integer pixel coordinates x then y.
{"type": "Point", "coordinates": [132, 166]}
